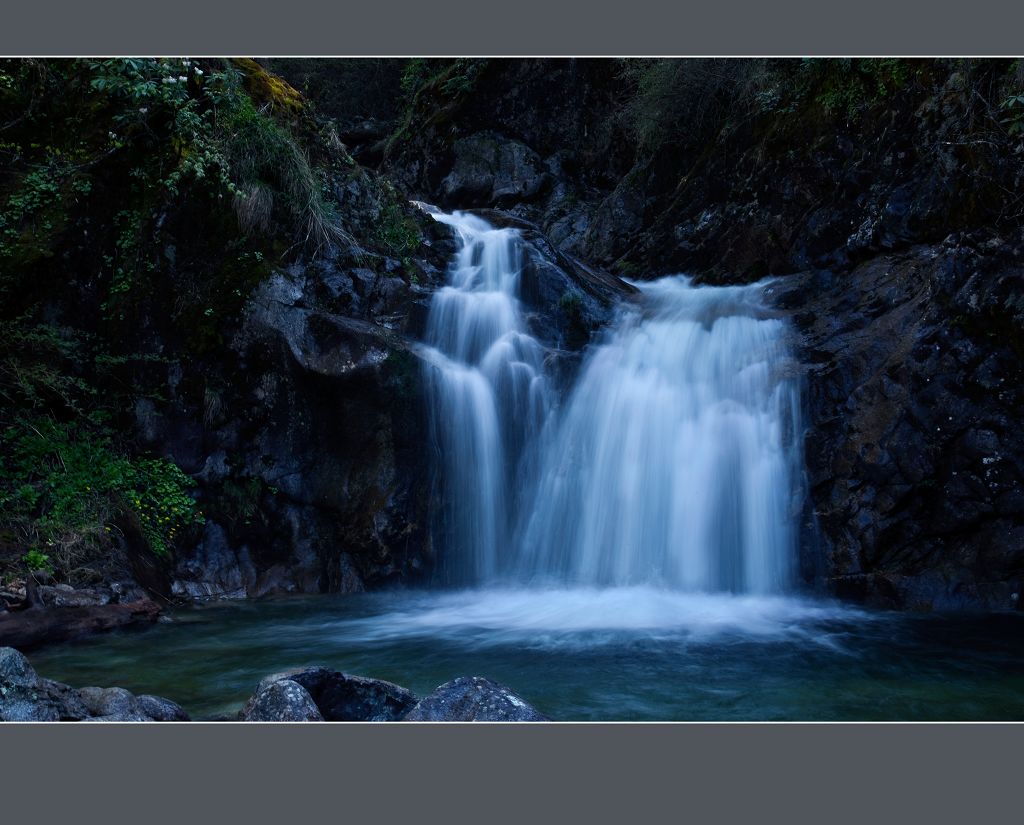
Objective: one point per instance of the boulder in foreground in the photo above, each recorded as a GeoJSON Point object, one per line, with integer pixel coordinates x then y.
{"type": "Point", "coordinates": [474, 699]}
{"type": "Point", "coordinates": [25, 697]}
{"type": "Point", "coordinates": [281, 701]}
{"type": "Point", "coordinates": [343, 698]}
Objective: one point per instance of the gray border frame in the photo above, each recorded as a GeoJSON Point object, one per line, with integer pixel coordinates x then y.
{"type": "Point", "coordinates": [522, 28]}
{"type": "Point", "coordinates": [821, 773]}
{"type": "Point", "coordinates": [626, 773]}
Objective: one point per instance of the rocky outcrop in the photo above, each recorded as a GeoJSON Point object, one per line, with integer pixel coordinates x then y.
{"type": "Point", "coordinates": [26, 697]}
{"type": "Point", "coordinates": [161, 710]}
{"type": "Point", "coordinates": [309, 453]}
{"type": "Point", "coordinates": [914, 447]}
{"type": "Point", "coordinates": [490, 170]}
{"type": "Point", "coordinates": [473, 699]}
{"type": "Point", "coordinates": [310, 694]}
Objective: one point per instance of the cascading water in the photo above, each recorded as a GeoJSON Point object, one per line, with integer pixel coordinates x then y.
{"type": "Point", "coordinates": [489, 400]}
{"type": "Point", "coordinates": [675, 462]}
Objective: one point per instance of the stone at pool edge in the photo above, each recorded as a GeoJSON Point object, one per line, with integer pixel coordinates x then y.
{"type": "Point", "coordinates": [281, 701]}
{"type": "Point", "coordinates": [343, 698]}
{"type": "Point", "coordinates": [26, 697]}
{"type": "Point", "coordinates": [474, 699]}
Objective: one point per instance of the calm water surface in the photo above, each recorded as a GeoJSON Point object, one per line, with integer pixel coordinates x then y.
{"type": "Point", "coordinates": [617, 654]}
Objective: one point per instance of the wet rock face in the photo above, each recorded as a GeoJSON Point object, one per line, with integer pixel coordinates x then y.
{"type": "Point", "coordinates": [914, 447]}
{"type": "Point", "coordinates": [474, 699]}
{"type": "Point", "coordinates": [491, 170]}
{"type": "Point", "coordinates": [313, 458]}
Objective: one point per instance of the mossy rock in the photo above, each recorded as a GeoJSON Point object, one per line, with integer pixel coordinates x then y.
{"type": "Point", "coordinates": [269, 88]}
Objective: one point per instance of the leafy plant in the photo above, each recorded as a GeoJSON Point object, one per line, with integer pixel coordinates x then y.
{"type": "Point", "coordinates": [397, 232]}
{"type": "Point", "coordinates": [70, 491]}
{"type": "Point", "coordinates": [37, 561]}
{"type": "Point", "coordinates": [1013, 114]}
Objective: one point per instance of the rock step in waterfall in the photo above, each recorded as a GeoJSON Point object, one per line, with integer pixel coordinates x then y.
{"type": "Point", "coordinates": [675, 461]}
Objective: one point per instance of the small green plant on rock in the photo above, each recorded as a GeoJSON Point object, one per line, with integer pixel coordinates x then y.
{"type": "Point", "coordinates": [37, 561]}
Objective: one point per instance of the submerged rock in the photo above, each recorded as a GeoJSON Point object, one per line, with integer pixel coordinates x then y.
{"type": "Point", "coordinates": [281, 701]}
{"type": "Point", "coordinates": [474, 699]}
{"type": "Point", "coordinates": [343, 698]}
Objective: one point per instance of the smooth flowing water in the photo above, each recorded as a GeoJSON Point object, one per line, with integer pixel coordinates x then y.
{"type": "Point", "coordinates": [489, 401]}
{"type": "Point", "coordinates": [675, 462]}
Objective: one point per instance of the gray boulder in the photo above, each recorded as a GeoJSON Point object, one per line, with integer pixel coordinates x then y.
{"type": "Point", "coordinates": [344, 698]}
{"type": "Point", "coordinates": [162, 710]}
{"type": "Point", "coordinates": [281, 701]}
{"type": "Point", "coordinates": [474, 699]}
{"type": "Point", "coordinates": [110, 702]}
{"type": "Point", "coordinates": [25, 697]}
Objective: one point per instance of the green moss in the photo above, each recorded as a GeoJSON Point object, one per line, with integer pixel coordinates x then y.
{"type": "Point", "coordinates": [269, 88]}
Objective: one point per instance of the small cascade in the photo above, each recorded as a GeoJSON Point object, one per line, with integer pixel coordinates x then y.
{"type": "Point", "coordinates": [489, 400]}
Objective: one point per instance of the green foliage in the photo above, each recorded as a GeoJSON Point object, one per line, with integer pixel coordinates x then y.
{"type": "Point", "coordinates": [238, 500]}
{"type": "Point", "coordinates": [433, 89]}
{"type": "Point", "coordinates": [174, 94]}
{"type": "Point", "coordinates": [681, 101]}
{"type": "Point", "coordinates": [414, 75]}
{"type": "Point", "coordinates": [163, 131]}
{"type": "Point", "coordinates": [34, 368]}
{"type": "Point", "coordinates": [688, 102]}
{"type": "Point", "coordinates": [346, 89]}
{"type": "Point", "coordinates": [35, 209]}
{"type": "Point", "coordinates": [1012, 109]}
{"type": "Point", "coordinates": [270, 168]}
{"type": "Point", "coordinates": [449, 78]}
{"type": "Point", "coordinates": [847, 86]}
{"type": "Point", "coordinates": [67, 489]}
{"type": "Point", "coordinates": [36, 560]}
{"type": "Point", "coordinates": [397, 232]}
{"type": "Point", "coordinates": [162, 502]}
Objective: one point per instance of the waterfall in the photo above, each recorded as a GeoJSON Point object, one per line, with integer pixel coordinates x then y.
{"type": "Point", "coordinates": [489, 400]}
{"type": "Point", "coordinates": [674, 462]}
{"type": "Point", "coordinates": [677, 460]}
